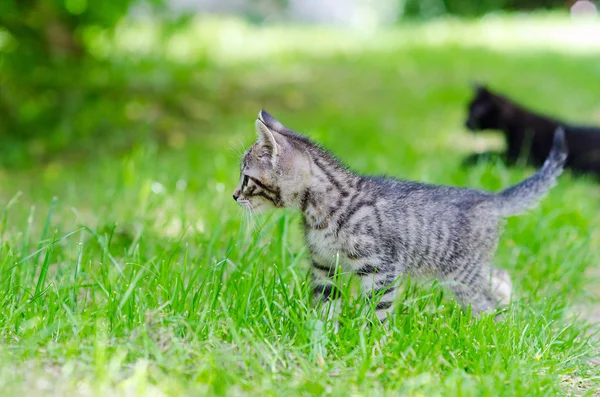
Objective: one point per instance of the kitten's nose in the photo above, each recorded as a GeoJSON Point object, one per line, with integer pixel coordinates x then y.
{"type": "Point", "coordinates": [235, 196]}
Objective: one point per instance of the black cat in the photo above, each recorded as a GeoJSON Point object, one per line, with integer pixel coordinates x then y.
{"type": "Point", "coordinates": [529, 135]}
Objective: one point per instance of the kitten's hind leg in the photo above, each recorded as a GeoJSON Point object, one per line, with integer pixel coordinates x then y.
{"type": "Point", "coordinates": [471, 288]}
{"type": "Point", "coordinates": [480, 299]}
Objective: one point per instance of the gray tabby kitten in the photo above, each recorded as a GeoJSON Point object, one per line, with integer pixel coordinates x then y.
{"type": "Point", "coordinates": [379, 228]}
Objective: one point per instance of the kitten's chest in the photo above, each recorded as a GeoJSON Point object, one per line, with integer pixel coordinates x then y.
{"type": "Point", "coordinates": [330, 248]}
{"type": "Point", "coordinates": [325, 245]}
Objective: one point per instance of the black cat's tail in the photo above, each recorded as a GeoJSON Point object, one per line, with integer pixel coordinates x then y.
{"type": "Point", "coordinates": [525, 195]}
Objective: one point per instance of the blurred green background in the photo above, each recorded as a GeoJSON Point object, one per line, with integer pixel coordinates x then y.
{"type": "Point", "coordinates": [68, 89]}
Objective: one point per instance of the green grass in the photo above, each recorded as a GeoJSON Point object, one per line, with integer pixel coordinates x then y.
{"type": "Point", "coordinates": [136, 274]}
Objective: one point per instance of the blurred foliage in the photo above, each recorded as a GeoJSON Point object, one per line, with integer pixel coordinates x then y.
{"type": "Point", "coordinates": [434, 8]}
{"type": "Point", "coordinates": [61, 97]}
{"type": "Point", "coordinates": [47, 29]}
{"type": "Point", "coordinates": [53, 91]}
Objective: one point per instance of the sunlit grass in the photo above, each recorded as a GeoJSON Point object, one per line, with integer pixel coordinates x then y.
{"type": "Point", "coordinates": [143, 277]}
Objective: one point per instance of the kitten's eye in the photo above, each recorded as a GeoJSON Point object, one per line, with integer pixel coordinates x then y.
{"type": "Point", "coordinates": [245, 181]}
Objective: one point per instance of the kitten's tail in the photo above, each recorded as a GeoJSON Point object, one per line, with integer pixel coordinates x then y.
{"type": "Point", "coordinates": [525, 195]}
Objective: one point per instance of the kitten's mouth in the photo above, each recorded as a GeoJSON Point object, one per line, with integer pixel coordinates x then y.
{"type": "Point", "coordinates": [255, 206]}
{"type": "Point", "coordinates": [245, 203]}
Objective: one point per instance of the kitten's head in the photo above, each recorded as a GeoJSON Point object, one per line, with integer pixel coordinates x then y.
{"type": "Point", "coordinates": [274, 171]}
{"type": "Point", "coordinates": [485, 110]}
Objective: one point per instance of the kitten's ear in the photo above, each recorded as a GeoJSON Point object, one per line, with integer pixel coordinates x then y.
{"type": "Point", "coordinates": [266, 135]}
{"type": "Point", "coordinates": [479, 87]}
{"type": "Point", "coordinates": [270, 121]}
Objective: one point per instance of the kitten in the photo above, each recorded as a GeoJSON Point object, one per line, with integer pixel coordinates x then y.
{"type": "Point", "coordinates": [530, 135]}
{"type": "Point", "coordinates": [380, 228]}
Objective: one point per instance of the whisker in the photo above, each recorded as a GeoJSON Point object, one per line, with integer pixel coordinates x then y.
{"type": "Point", "coordinates": [251, 221]}
{"type": "Point", "coordinates": [252, 216]}
{"type": "Point", "coordinates": [244, 219]}
{"type": "Point", "coordinates": [248, 219]}
{"type": "Point", "coordinates": [257, 220]}
{"type": "Point", "coordinates": [237, 149]}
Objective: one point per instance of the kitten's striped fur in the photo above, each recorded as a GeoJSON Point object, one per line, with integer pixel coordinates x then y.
{"type": "Point", "coordinates": [380, 228]}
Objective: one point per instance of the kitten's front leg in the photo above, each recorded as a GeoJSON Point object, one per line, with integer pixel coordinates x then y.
{"type": "Point", "coordinates": [378, 285]}
{"type": "Point", "coordinates": [325, 293]}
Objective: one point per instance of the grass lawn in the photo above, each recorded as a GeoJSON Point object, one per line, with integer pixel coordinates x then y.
{"type": "Point", "coordinates": [137, 274]}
